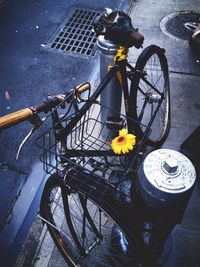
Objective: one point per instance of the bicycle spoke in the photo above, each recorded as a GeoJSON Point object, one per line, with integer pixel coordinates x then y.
{"type": "Point", "coordinates": [142, 111]}
{"type": "Point", "coordinates": [91, 226]}
{"type": "Point", "coordinates": [150, 91]}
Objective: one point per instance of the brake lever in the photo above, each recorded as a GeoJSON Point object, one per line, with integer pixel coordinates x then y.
{"type": "Point", "coordinates": [37, 122]}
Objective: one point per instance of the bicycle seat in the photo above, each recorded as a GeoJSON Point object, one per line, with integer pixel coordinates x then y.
{"type": "Point", "coordinates": [117, 27]}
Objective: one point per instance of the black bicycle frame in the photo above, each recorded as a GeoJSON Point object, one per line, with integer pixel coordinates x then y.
{"type": "Point", "coordinates": [121, 69]}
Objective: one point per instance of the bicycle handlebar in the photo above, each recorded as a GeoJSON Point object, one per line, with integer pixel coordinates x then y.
{"type": "Point", "coordinates": [82, 88]}
{"type": "Point", "coordinates": [26, 113]}
{"type": "Point", "coordinates": [15, 117]}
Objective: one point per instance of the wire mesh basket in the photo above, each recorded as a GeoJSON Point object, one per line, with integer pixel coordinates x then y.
{"type": "Point", "coordinates": [86, 160]}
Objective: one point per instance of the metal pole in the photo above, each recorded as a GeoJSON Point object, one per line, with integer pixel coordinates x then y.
{"type": "Point", "coordinates": [111, 97]}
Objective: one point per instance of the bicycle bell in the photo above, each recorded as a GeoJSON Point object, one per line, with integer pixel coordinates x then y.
{"type": "Point", "coordinates": [165, 179]}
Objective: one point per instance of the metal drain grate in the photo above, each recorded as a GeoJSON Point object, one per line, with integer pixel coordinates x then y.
{"type": "Point", "coordinates": [76, 35]}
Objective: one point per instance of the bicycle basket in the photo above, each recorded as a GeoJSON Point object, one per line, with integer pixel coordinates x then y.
{"type": "Point", "coordinates": [87, 161]}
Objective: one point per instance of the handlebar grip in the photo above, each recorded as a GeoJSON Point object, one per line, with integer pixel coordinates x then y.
{"type": "Point", "coordinates": [15, 117]}
{"type": "Point", "coordinates": [82, 88]}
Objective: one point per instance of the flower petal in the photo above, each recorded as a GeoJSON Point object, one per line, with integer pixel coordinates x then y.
{"type": "Point", "coordinates": [123, 132]}
{"type": "Point", "coordinates": [131, 137]}
{"type": "Point", "coordinates": [125, 149]}
{"type": "Point", "coordinates": [117, 150]}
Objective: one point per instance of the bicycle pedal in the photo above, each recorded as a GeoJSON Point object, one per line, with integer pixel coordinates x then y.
{"type": "Point", "coordinates": [115, 123]}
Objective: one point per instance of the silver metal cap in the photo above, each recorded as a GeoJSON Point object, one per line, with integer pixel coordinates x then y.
{"type": "Point", "coordinates": [170, 166]}
{"type": "Point", "coordinates": [106, 46]}
{"type": "Point", "coordinates": [169, 171]}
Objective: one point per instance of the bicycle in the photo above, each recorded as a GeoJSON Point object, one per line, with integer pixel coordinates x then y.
{"type": "Point", "coordinates": [86, 201]}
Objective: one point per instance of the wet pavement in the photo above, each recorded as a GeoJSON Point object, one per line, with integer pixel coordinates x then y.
{"type": "Point", "coordinates": [34, 70]}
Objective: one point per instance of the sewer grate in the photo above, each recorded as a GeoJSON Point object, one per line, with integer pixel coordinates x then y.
{"type": "Point", "coordinates": [76, 35]}
{"type": "Point", "coordinates": [180, 25]}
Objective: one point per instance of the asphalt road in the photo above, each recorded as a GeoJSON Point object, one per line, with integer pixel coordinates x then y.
{"type": "Point", "coordinates": [28, 72]}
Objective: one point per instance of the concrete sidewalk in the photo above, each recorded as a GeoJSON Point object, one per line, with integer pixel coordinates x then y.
{"type": "Point", "coordinates": [184, 70]}
{"type": "Point", "coordinates": [185, 103]}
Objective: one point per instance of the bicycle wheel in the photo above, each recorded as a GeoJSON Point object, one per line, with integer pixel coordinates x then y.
{"type": "Point", "coordinates": [85, 234]}
{"type": "Point", "coordinates": [150, 93]}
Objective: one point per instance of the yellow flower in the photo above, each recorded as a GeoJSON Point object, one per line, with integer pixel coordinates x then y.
{"type": "Point", "coordinates": [123, 143]}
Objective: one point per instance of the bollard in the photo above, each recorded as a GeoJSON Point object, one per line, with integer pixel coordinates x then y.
{"type": "Point", "coordinates": [160, 194]}
{"type": "Point", "coordinates": [112, 95]}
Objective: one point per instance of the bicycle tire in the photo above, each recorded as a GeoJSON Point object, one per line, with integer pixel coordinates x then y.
{"type": "Point", "coordinates": [152, 65]}
{"type": "Point", "coordinates": [104, 254]}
